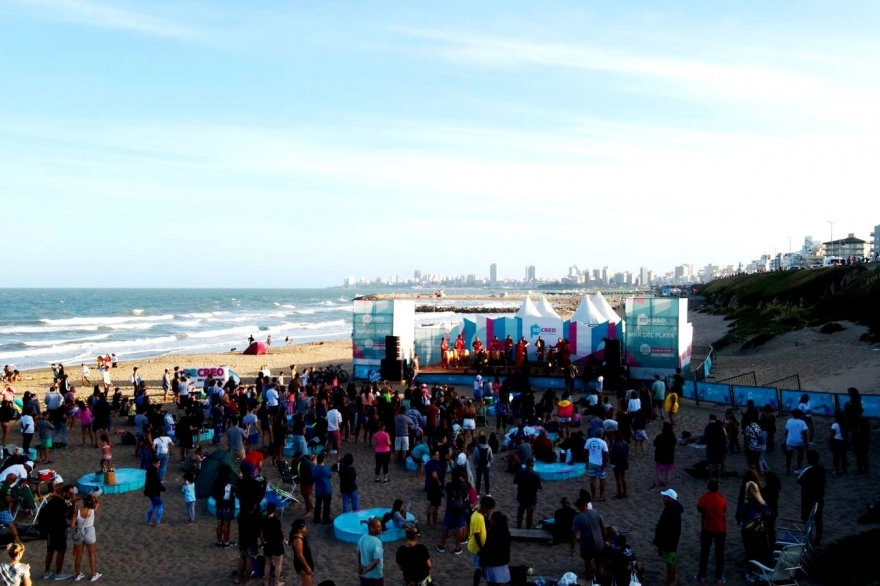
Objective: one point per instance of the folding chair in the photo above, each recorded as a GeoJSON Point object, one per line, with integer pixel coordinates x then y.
{"type": "Point", "coordinates": [286, 475]}
{"type": "Point", "coordinates": [782, 573]}
{"type": "Point", "coordinates": [279, 497]}
{"type": "Point", "coordinates": [795, 533]}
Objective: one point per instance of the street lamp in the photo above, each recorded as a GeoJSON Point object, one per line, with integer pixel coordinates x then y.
{"type": "Point", "coordinates": [831, 243]}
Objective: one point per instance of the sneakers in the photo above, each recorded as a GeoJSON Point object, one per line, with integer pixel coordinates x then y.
{"type": "Point", "coordinates": [96, 577]}
{"type": "Point", "coordinates": [61, 577]}
{"type": "Point", "coordinates": [698, 580]}
{"type": "Point", "coordinates": [79, 576]}
{"type": "Point", "coordinates": [48, 576]}
{"type": "Point", "coordinates": [441, 549]}
{"type": "Point", "coordinates": [457, 551]}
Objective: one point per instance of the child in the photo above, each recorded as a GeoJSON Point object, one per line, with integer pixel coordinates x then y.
{"type": "Point", "coordinates": [106, 453]}
{"type": "Point", "coordinates": [197, 460]}
{"type": "Point", "coordinates": [84, 414]}
{"type": "Point", "coordinates": [45, 430]}
{"type": "Point", "coordinates": [640, 433]}
{"type": "Point", "coordinates": [731, 426]}
{"type": "Point", "coordinates": [189, 495]}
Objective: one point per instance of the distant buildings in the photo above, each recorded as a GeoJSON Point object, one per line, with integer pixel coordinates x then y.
{"type": "Point", "coordinates": [493, 273]}
{"type": "Point", "coordinates": [846, 247]}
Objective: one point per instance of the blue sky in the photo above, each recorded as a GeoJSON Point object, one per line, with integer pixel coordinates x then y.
{"type": "Point", "coordinates": [292, 144]}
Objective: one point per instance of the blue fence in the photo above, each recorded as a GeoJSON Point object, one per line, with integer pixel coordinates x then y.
{"type": "Point", "coordinates": [782, 400]}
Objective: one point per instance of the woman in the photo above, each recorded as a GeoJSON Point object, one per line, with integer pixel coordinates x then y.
{"type": "Point", "coordinates": [383, 451]}
{"type": "Point", "coordinates": [469, 420]}
{"type": "Point", "coordinates": [635, 403]}
{"type": "Point", "coordinates": [495, 554]}
{"type": "Point", "coordinates": [302, 553]}
{"type": "Point", "coordinates": [414, 560]}
{"type": "Point", "coordinates": [837, 443]}
{"type": "Point", "coordinates": [153, 489]}
{"type": "Point", "coordinates": [7, 414]}
{"type": "Point", "coordinates": [564, 410]}
{"type": "Point", "coordinates": [273, 542]}
{"type": "Point", "coordinates": [754, 517]}
{"type": "Point", "coordinates": [84, 414]}
{"type": "Point", "coordinates": [770, 492]}
{"type": "Point", "coordinates": [145, 449]}
{"type": "Point", "coordinates": [397, 516]}
{"type": "Point", "coordinates": [279, 436]}
{"type": "Point", "coordinates": [664, 455]}
{"type": "Point", "coordinates": [83, 525]}
{"type": "Point", "coordinates": [620, 463]}
{"type": "Point", "coordinates": [806, 410]}
{"type": "Point", "coordinates": [13, 572]}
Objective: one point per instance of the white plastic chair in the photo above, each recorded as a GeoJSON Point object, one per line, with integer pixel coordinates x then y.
{"type": "Point", "coordinates": [783, 572]}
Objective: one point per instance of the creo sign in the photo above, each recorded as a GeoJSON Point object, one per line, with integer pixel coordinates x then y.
{"type": "Point", "coordinates": [643, 320]}
{"type": "Point", "coordinates": [215, 372]}
{"type": "Point", "coordinates": [537, 330]}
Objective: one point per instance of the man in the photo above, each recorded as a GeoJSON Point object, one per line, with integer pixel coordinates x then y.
{"type": "Point", "coordinates": [482, 462]}
{"type": "Point", "coordinates": [166, 384]}
{"type": "Point", "coordinates": [162, 447]}
{"type": "Point", "coordinates": [508, 350]}
{"type": "Point", "coordinates": [435, 474]}
{"type": "Point", "coordinates": [589, 527]}
{"type": "Point", "coordinates": [20, 471]}
{"type": "Point", "coordinates": [715, 439]}
{"type": "Point", "coordinates": [371, 556]}
{"type": "Point", "coordinates": [235, 437]}
{"type": "Point", "coordinates": [753, 441]}
{"type": "Point", "coordinates": [54, 402]}
{"type": "Point", "coordinates": [249, 522]}
{"type": "Point", "coordinates": [658, 397]}
{"type": "Point", "coordinates": [528, 484]}
{"type": "Point", "coordinates": [540, 346]}
{"type": "Point", "coordinates": [402, 425]}
{"type": "Point", "coordinates": [713, 529]}
{"type": "Point", "coordinates": [334, 435]}
{"type": "Point", "coordinates": [183, 389]}
{"type": "Point", "coordinates": [413, 559]}
{"type": "Point", "coordinates": [812, 482]}
{"type": "Point", "coordinates": [414, 367]}
{"type": "Point", "coordinates": [478, 532]}
{"type": "Point", "coordinates": [668, 532]}
{"type": "Point", "coordinates": [55, 518]}
{"type": "Point", "coordinates": [597, 450]}
{"type": "Point", "coordinates": [135, 379]}
{"type": "Point", "coordinates": [678, 382]}
{"type": "Point", "coordinates": [562, 521]}
{"type": "Point", "coordinates": [323, 490]}
{"type": "Point", "coordinates": [303, 465]}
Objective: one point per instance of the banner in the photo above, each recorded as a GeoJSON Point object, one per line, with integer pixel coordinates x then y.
{"type": "Point", "coordinates": [548, 328]}
{"type": "Point", "coordinates": [760, 395]}
{"type": "Point", "coordinates": [654, 336]}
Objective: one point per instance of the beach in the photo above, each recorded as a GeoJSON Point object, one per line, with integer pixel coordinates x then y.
{"type": "Point", "coordinates": [181, 553]}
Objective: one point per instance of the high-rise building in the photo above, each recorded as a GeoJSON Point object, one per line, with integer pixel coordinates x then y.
{"type": "Point", "coordinates": [417, 275]}
{"type": "Point", "coordinates": [875, 244]}
{"type": "Point", "coordinates": [605, 275]}
{"type": "Point", "coordinates": [573, 271]}
{"type": "Point", "coordinates": [493, 273]}
{"type": "Point", "coordinates": [531, 273]}
{"type": "Point", "coordinates": [644, 278]}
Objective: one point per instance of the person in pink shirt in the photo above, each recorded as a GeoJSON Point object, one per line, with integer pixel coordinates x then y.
{"type": "Point", "coordinates": [382, 441]}
{"type": "Point", "coordinates": [84, 414]}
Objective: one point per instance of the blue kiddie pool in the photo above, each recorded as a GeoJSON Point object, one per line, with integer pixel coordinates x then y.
{"type": "Point", "coordinates": [559, 471]}
{"type": "Point", "coordinates": [127, 480]}
{"type": "Point", "coordinates": [349, 527]}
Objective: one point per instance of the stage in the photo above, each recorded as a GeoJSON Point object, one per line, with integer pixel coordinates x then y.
{"type": "Point", "coordinates": [540, 376]}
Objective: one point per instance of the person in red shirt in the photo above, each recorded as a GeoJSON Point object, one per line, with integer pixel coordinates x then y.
{"type": "Point", "coordinates": [508, 349]}
{"type": "Point", "coordinates": [256, 457]}
{"type": "Point", "coordinates": [713, 528]}
{"type": "Point", "coordinates": [444, 348]}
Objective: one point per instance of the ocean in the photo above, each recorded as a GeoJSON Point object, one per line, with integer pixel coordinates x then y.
{"type": "Point", "coordinates": [39, 327]}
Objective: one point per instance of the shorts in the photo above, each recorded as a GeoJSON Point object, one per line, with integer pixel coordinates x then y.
{"type": "Point", "coordinates": [253, 439]}
{"type": "Point", "coordinates": [497, 574]}
{"type": "Point", "coordinates": [657, 403]}
{"type": "Point", "coordinates": [6, 517]}
{"type": "Point", "coordinates": [468, 424]}
{"type": "Point", "coordinates": [401, 443]}
{"type": "Point", "coordinates": [453, 520]}
{"type": "Point", "coordinates": [526, 507]}
{"type": "Point", "coordinates": [46, 443]}
{"type": "Point", "coordinates": [273, 549]}
{"type": "Point", "coordinates": [668, 557]}
{"type": "Point", "coordinates": [565, 420]}
{"type": "Point", "coordinates": [435, 496]}
{"type": "Point", "coordinates": [716, 455]}
{"type": "Point", "coordinates": [84, 536]}
{"type": "Point", "coordinates": [306, 490]}
{"type": "Point", "coordinates": [225, 514]}
{"type": "Point", "coordinates": [597, 471]}
{"type": "Point", "coordinates": [248, 551]}
{"type": "Point", "coordinates": [239, 454]}
{"type": "Point", "coordinates": [476, 557]}
{"type": "Point", "coordinates": [753, 457]}
{"type": "Point", "coordinates": [640, 435]}
{"type": "Point", "coordinates": [57, 541]}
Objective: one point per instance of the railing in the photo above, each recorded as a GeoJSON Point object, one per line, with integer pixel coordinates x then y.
{"type": "Point", "coordinates": [745, 379]}
{"type": "Point", "coordinates": [792, 382]}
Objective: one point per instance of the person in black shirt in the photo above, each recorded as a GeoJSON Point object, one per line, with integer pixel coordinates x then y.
{"type": "Point", "coordinates": [715, 439]}
{"type": "Point", "coordinates": [495, 553]}
{"type": "Point", "coordinates": [562, 520]}
{"type": "Point", "coordinates": [347, 483]}
{"type": "Point", "coordinates": [248, 542]}
{"type": "Point", "coordinates": [302, 553]}
{"type": "Point", "coordinates": [812, 482]}
{"type": "Point", "coordinates": [273, 541]}
{"type": "Point", "coordinates": [413, 559]}
{"type": "Point", "coordinates": [55, 518]}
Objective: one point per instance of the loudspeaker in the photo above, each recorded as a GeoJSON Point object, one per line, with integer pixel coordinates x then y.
{"type": "Point", "coordinates": [392, 347]}
{"type": "Point", "coordinates": [393, 369]}
{"type": "Point", "coordinates": [613, 354]}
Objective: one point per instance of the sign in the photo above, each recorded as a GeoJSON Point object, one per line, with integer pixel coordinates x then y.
{"type": "Point", "coordinates": [198, 375]}
{"type": "Point", "coordinates": [654, 336]}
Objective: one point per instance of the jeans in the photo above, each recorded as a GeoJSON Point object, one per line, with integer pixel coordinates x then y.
{"type": "Point", "coordinates": [372, 581]}
{"type": "Point", "coordinates": [322, 502]}
{"type": "Point", "coordinates": [350, 502]}
{"type": "Point", "coordinates": [156, 504]}
{"type": "Point", "coordinates": [60, 429]}
{"type": "Point", "coordinates": [26, 439]}
{"type": "Point", "coordinates": [299, 444]}
{"type": "Point", "coordinates": [483, 471]}
{"type": "Point", "coordinates": [163, 465]}
{"type": "Point", "coordinates": [706, 540]}
{"type": "Point", "coordinates": [190, 510]}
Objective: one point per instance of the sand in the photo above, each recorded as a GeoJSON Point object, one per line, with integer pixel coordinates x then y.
{"type": "Point", "coordinates": [177, 553]}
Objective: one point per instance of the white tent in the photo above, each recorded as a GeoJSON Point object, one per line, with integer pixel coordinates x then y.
{"type": "Point", "coordinates": [545, 309]}
{"type": "Point", "coordinates": [604, 308]}
{"type": "Point", "coordinates": [528, 309]}
{"type": "Point", "coordinates": [587, 313]}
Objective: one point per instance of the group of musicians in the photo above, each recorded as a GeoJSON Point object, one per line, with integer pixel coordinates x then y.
{"type": "Point", "coordinates": [507, 352]}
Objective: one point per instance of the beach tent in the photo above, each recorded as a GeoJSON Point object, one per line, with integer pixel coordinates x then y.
{"type": "Point", "coordinates": [545, 309]}
{"type": "Point", "coordinates": [604, 308]}
{"type": "Point", "coordinates": [528, 309]}
{"type": "Point", "coordinates": [588, 313]}
{"type": "Point", "coordinates": [211, 466]}
{"type": "Point", "coordinates": [255, 349]}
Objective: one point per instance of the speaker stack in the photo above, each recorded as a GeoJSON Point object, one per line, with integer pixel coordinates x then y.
{"type": "Point", "coordinates": [392, 367]}
{"type": "Point", "coordinates": [613, 361]}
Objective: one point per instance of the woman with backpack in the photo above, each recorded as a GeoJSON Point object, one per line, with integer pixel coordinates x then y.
{"type": "Point", "coordinates": [482, 462]}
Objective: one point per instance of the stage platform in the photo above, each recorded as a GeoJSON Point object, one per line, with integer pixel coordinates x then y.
{"type": "Point", "coordinates": [464, 377]}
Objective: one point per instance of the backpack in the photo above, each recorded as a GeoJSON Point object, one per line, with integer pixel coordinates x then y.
{"type": "Point", "coordinates": [127, 439]}
{"type": "Point", "coordinates": [572, 371]}
{"type": "Point", "coordinates": [483, 459]}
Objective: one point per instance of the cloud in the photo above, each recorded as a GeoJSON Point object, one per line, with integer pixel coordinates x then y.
{"type": "Point", "coordinates": [103, 15]}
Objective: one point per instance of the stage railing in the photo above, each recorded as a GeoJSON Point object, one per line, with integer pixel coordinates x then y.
{"type": "Point", "coordinates": [788, 382]}
{"type": "Point", "coordinates": [747, 378]}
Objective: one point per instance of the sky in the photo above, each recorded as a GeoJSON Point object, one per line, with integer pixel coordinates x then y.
{"type": "Point", "coordinates": [277, 144]}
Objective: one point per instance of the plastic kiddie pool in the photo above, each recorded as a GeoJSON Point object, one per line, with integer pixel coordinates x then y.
{"type": "Point", "coordinates": [349, 527]}
{"type": "Point", "coordinates": [559, 471]}
{"type": "Point", "coordinates": [127, 480]}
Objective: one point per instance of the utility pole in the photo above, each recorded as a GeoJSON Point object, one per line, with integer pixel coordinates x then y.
{"type": "Point", "coordinates": [831, 243]}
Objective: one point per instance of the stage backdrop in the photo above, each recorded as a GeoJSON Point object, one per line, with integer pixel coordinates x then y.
{"type": "Point", "coordinates": [549, 328]}
{"type": "Point", "coordinates": [373, 320]}
{"type": "Point", "coordinates": [658, 336]}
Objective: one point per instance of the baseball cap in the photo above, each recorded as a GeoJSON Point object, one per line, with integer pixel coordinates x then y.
{"type": "Point", "coordinates": [29, 463]}
{"type": "Point", "coordinates": [58, 479]}
{"type": "Point", "coordinates": [424, 386]}
{"type": "Point", "coordinates": [670, 493]}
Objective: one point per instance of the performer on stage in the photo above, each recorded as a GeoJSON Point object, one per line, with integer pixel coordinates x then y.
{"type": "Point", "coordinates": [444, 349]}
{"type": "Point", "coordinates": [477, 345]}
{"type": "Point", "coordinates": [459, 343]}
{"type": "Point", "coordinates": [564, 355]}
{"type": "Point", "coordinates": [508, 349]}
{"type": "Point", "coordinates": [494, 345]}
{"type": "Point", "coordinates": [521, 352]}
{"type": "Point", "coordinates": [539, 349]}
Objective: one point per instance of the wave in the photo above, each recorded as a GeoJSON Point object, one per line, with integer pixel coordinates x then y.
{"type": "Point", "coordinates": [57, 342]}
{"type": "Point", "coordinates": [45, 329]}
{"type": "Point", "coordinates": [306, 311]}
{"type": "Point", "coordinates": [288, 305]}
{"type": "Point", "coordinates": [103, 346]}
{"type": "Point", "coordinates": [199, 315]}
{"type": "Point", "coordinates": [137, 326]}
{"type": "Point", "coordinates": [102, 321]}
{"type": "Point", "coordinates": [244, 331]}
{"type": "Point", "coordinates": [137, 311]}
{"type": "Point", "coordinates": [326, 303]}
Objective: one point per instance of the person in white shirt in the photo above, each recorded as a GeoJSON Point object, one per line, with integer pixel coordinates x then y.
{"type": "Point", "coordinates": [85, 374]}
{"type": "Point", "coordinates": [28, 427]}
{"type": "Point", "coordinates": [597, 450]}
{"type": "Point", "coordinates": [334, 421]}
{"type": "Point", "coordinates": [838, 446]}
{"type": "Point", "coordinates": [105, 378]}
{"type": "Point", "coordinates": [271, 397]}
{"type": "Point", "coordinates": [796, 432]}
{"type": "Point", "coordinates": [635, 404]}
{"type": "Point", "coordinates": [162, 446]}
{"type": "Point", "coordinates": [21, 471]}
